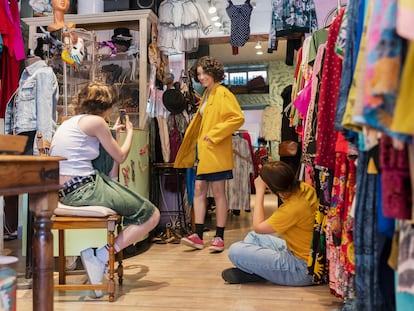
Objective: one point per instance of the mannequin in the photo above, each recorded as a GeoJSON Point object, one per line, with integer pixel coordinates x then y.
{"type": "Point", "coordinates": [59, 9]}
{"type": "Point", "coordinates": [34, 108]}
{"type": "Point", "coordinates": [31, 60]}
{"type": "Point", "coordinates": [31, 112]}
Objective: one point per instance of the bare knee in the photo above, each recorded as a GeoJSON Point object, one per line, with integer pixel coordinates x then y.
{"type": "Point", "coordinates": [200, 189]}
{"type": "Point", "coordinates": [155, 218]}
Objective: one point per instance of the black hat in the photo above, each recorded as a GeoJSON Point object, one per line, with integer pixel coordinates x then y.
{"type": "Point", "coordinates": [174, 101]}
{"type": "Point", "coordinates": [122, 36]}
{"type": "Point", "coordinates": [122, 33]}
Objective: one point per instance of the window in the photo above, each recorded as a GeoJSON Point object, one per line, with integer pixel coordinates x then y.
{"type": "Point", "coordinates": [237, 77]}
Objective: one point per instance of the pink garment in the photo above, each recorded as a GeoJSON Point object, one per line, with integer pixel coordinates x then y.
{"type": "Point", "coordinates": [10, 28]}
{"type": "Point", "coordinates": [396, 181]}
{"type": "Point", "coordinates": [12, 53]}
{"type": "Point", "coordinates": [303, 98]}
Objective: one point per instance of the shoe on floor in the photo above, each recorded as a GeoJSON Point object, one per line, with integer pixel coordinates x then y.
{"type": "Point", "coordinates": [236, 212]}
{"type": "Point", "coordinates": [94, 268]}
{"type": "Point", "coordinates": [237, 276]}
{"type": "Point", "coordinates": [217, 244]}
{"type": "Point", "coordinates": [193, 241]}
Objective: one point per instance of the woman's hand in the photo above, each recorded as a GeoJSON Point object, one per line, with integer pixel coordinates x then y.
{"type": "Point", "coordinates": [207, 139]}
{"type": "Point", "coordinates": [260, 185]}
{"type": "Point", "coordinates": [128, 124]}
{"type": "Point", "coordinates": [118, 126]}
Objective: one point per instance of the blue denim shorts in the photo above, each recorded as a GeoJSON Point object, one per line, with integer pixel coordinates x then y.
{"type": "Point", "coordinates": [215, 176]}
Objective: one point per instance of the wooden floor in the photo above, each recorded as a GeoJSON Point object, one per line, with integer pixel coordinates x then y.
{"type": "Point", "coordinates": [172, 277]}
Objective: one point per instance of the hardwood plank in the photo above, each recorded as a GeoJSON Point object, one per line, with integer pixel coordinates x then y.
{"type": "Point", "coordinates": [12, 144]}
{"type": "Point", "coordinates": [171, 277]}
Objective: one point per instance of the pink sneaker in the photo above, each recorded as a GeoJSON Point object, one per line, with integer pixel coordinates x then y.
{"type": "Point", "coordinates": [193, 241]}
{"type": "Point", "coordinates": [217, 244]}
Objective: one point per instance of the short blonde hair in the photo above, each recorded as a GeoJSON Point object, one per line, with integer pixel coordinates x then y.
{"type": "Point", "coordinates": [94, 98]}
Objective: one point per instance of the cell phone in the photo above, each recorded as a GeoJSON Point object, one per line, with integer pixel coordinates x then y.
{"type": "Point", "coordinates": [122, 113]}
{"type": "Point", "coordinates": [264, 160]}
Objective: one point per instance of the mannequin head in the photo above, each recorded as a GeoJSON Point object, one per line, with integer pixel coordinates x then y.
{"type": "Point", "coordinates": [59, 9]}
{"type": "Point", "coordinates": [60, 5]}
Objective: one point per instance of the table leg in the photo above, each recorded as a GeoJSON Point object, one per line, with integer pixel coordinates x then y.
{"type": "Point", "coordinates": [42, 206]}
{"type": "Point", "coordinates": [29, 237]}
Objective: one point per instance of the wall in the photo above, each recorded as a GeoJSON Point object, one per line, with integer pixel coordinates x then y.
{"type": "Point", "coordinates": [280, 75]}
{"type": "Point", "coordinates": [247, 53]}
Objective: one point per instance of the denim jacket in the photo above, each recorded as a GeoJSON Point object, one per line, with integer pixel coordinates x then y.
{"type": "Point", "coordinates": [34, 107]}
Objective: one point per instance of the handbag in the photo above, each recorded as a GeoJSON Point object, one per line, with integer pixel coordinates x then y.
{"type": "Point", "coordinates": [288, 148]}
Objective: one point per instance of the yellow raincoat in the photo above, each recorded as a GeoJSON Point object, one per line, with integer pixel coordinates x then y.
{"type": "Point", "coordinates": [221, 117]}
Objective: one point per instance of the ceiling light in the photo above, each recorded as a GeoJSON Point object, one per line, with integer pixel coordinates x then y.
{"type": "Point", "coordinates": [212, 9]}
{"type": "Point", "coordinates": [259, 52]}
{"type": "Point", "coordinates": [215, 18]}
{"type": "Point", "coordinates": [258, 45]}
{"type": "Point", "coordinates": [218, 24]}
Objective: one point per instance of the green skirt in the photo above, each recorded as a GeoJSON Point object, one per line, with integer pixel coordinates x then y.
{"type": "Point", "coordinates": [107, 192]}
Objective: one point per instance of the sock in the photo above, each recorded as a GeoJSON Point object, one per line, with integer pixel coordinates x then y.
{"type": "Point", "coordinates": [103, 252]}
{"type": "Point", "coordinates": [199, 229]}
{"type": "Point", "coordinates": [220, 232]}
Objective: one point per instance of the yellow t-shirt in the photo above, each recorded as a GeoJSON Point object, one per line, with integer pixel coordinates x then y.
{"type": "Point", "coordinates": [294, 220]}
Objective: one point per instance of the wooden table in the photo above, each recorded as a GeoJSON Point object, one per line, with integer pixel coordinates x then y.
{"type": "Point", "coordinates": [39, 177]}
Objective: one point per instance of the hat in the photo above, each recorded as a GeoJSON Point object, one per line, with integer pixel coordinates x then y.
{"type": "Point", "coordinates": [174, 101]}
{"type": "Point", "coordinates": [122, 36]}
{"type": "Point", "coordinates": [122, 33]}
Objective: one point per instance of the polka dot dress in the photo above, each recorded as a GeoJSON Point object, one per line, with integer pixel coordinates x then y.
{"type": "Point", "coordinates": [240, 23]}
{"type": "Point", "coordinates": [326, 135]}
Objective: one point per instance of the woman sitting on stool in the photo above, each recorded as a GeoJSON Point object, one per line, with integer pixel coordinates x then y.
{"type": "Point", "coordinates": [78, 139]}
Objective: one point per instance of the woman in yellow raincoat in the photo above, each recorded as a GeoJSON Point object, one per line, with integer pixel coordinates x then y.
{"type": "Point", "coordinates": [207, 144]}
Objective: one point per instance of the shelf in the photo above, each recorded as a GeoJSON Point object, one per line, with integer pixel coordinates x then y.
{"type": "Point", "coordinates": [243, 89]}
{"type": "Point", "coordinates": [98, 21]}
{"type": "Point", "coordinates": [138, 20]}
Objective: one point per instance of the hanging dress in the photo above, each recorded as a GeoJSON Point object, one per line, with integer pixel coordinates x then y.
{"type": "Point", "coordinates": [240, 24]}
{"type": "Point", "coordinates": [13, 51]}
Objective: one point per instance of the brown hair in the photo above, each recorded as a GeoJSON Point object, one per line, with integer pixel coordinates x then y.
{"type": "Point", "coordinates": [279, 177]}
{"type": "Point", "coordinates": [210, 66]}
{"type": "Point", "coordinates": [94, 98]}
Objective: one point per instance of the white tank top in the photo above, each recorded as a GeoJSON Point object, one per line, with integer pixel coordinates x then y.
{"type": "Point", "coordinates": [78, 148]}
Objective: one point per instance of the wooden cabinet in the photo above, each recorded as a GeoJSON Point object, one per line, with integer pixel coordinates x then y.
{"type": "Point", "coordinates": [135, 20]}
{"type": "Point", "coordinates": [134, 171]}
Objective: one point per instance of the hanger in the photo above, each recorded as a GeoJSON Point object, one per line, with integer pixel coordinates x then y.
{"type": "Point", "coordinates": [333, 13]}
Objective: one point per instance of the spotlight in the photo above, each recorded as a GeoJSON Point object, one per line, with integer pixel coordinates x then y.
{"type": "Point", "coordinates": [211, 8]}
{"type": "Point", "coordinates": [258, 45]}
{"type": "Point", "coordinates": [218, 24]}
{"type": "Point", "coordinates": [215, 18]}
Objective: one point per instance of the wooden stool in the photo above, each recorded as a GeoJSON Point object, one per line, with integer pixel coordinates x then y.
{"type": "Point", "coordinates": [88, 217]}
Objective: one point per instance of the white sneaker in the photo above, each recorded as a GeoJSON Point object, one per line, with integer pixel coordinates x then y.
{"type": "Point", "coordinates": [94, 268]}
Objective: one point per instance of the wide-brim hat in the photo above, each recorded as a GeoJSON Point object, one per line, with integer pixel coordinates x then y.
{"type": "Point", "coordinates": [122, 33]}
{"type": "Point", "coordinates": [122, 36]}
{"type": "Point", "coordinates": [174, 101]}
